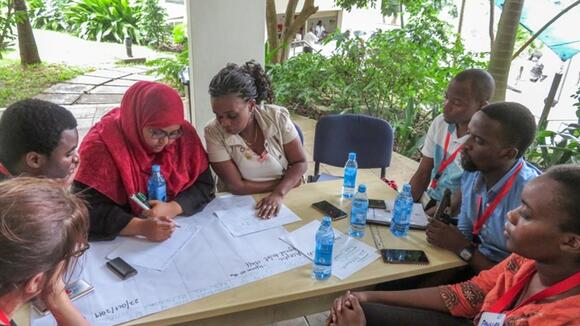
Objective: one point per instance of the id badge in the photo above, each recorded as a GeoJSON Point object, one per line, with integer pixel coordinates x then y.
{"type": "Point", "coordinates": [491, 319]}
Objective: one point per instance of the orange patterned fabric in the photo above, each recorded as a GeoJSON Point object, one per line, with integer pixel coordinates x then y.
{"type": "Point", "coordinates": [469, 299]}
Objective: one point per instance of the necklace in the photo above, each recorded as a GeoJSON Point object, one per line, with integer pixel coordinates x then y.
{"type": "Point", "coordinates": [250, 143]}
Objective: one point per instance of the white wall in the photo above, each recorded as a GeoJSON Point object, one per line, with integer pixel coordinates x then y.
{"type": "Point", "coordinates": [221, 31]}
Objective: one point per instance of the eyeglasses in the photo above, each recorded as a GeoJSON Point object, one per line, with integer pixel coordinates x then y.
{"type": "Point", "coordinates": [158, 133]}
{"type": "Point", "coordinates": [79, 252]}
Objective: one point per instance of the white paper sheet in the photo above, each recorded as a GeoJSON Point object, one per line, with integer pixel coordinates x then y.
{"type": "Point", "coordinates": [418, 216]}
{"type": "Point", "coordinates": [212, 262]}
{"type": "Point", "coordinates": [241, 221]}
{"type": "Point", "coordinates": [154, 255]}
{"type": "Point", "coordinates": [348, 255]}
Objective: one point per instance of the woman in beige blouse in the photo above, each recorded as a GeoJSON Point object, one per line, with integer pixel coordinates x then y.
{"type": "Point", "coordinates": [253, 147]}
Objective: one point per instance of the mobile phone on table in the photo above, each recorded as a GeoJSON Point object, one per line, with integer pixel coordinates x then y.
{"type": "Point", "coordinates": [328, 209]}
{"type": "Point", "coordinates": [404, 256]}
{"type": "Point", "coordinates": [121, 268]}
{"type": "Point", "coordinates": [74, 290]}
{"type": "Point", "coordinates": [377, 203]}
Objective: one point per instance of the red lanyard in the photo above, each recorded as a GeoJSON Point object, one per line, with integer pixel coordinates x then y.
{"type": "Point", "coordinates": [508, 298]}
{"type": "Point", "coordinates": [480, 221]}
{"type": "Point", "coordinates": [4, 319]}
{"type": "Point", "coordinates": [4, 170]}
{"type": "Point", "coordinates": [446, 161]}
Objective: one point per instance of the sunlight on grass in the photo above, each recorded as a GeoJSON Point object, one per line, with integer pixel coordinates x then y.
{"type": "Point", "coordinates": [18, 82]}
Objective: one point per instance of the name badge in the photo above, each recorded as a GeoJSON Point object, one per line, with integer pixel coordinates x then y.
{"type": "Point", "coordinates": [491, 319]}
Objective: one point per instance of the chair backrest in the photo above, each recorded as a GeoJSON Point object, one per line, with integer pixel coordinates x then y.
{"type": "Point", "coordinates": [337, 135]}
{"type": "Point", "coordinates": [299, 132]}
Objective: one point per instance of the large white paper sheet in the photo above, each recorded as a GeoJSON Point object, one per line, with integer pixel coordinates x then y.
{"type": "Point", "coordinates": [243, 220]}
{"type": "Point", "coordinates": [381, 216]}
{"type": "Point", "coordinates": [348, 255]}
{"type": "Point", "coordinates": [153, 255]}
{"type": "Point", "coordinates": [211, 262]}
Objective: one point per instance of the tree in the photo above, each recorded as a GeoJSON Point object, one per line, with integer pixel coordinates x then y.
{"type": "Point", "coordinates": [279, 47]}
{"type": "Point", "coordinates": [6, 25]}
{"type": "Point", "coordinates": [503, 47]}
{"type": "Point", "coordinates": [26, 42]}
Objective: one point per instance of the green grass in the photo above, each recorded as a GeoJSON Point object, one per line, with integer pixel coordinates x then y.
{"type": "Point", "coordinates": [18, 82]}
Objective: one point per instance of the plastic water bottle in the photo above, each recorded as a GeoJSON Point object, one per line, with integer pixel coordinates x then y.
{"type": "Point", "coordinates": [358, 213]}
{"type": "Point", "coordinates": [322, 266]}
{"type": "Point", "coordinates": [401, 220]}
{"type": "Point", "coordinates": [156, 186]}
{"type": "Point", "coordinates": [350, 171]}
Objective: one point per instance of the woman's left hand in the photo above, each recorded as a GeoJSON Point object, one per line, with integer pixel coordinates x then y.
{"type": "Point", "coordinates": [269, 206]}
{"type": "Point", "coordinates": [159, 208]}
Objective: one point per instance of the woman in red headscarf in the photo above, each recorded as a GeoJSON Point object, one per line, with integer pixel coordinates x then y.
{"type": "Point", "coordinates": [117, 155]}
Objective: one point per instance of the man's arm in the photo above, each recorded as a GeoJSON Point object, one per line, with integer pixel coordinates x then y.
{"type": "Point", "coordinates": [420, 180]}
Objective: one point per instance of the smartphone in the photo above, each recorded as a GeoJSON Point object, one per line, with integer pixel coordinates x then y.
{"type": "Point", "coordinates": [121, 268]}
{"type": "Point", "coordinates": [403, 256]}
{"type": "Point", "coordinates": [74, 290]}
{"type": "Point", "coordinates": [443, 209]}
{"type": "Point", "coordinates": [377, 203]}
{"type": "Point", "coordinates": [327, 208]}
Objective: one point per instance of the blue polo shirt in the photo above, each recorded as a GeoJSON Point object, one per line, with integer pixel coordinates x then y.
{"type": "Point", "coordinates": [493, 242]}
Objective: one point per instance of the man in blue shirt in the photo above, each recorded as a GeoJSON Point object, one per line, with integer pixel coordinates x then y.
{"type": "Point", "coordinates": [495, 174]}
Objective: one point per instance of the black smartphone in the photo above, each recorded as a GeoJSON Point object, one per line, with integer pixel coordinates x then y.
{"type": "Point", "coordinates": [121, 268]}
{"type": "Point", "coordinates": [327, 208]}
{"type": "Point", "coordinates": [404, 256]}
{"type": "Point", "coordinates": [377, 203]}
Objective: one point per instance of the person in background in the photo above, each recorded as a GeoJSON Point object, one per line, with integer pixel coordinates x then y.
{"type": "Point", "coordinates": [539, 284]}
{"type": "Point", "coordinates": [38, 138]}
{"type": "Point", "coordinates": [118, 152]}
{"type": "Point", "coordinates": [253, 147]}
{"type": "Point", "coordinates": [311, 39]}
{"type": "Point", "coordinates": [491, 186]}
{"type": "Point", "coordinates": [319, 30]}
{"type": "Point", "coordinates": [44, 231]}
{"type": "Point", "coordinates": [439, 168]}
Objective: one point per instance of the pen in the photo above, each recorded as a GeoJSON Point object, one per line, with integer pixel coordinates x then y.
{"type": "Point", "coordinates": [143, 199]}
{"type": "Point", "coordinates": [139, 203]}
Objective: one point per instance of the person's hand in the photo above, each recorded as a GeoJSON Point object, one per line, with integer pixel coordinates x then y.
{"type": "Point", "coordinates": [431, 211]}
{"type": "Point", "coordinates": [445, 236]}
{"type": "Point", "coordinates": [157, 229]}
{"type": "Point", "coordinates": [269, 206]}
{"type": "Point", "coordinates": [344, 301]}
{"type": "Point", "coordinates": [60, 305]}
{"type": "Point", "coordinates": [346, 311]}
{"type": "Point", "coordinates": [160, 208]}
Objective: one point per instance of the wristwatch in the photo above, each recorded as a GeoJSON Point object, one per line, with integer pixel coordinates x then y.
{"type": "Point", "coordinates": [467, 253]}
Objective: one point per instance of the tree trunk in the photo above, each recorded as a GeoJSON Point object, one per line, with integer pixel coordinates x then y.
{"type": "Point", "coordinates": [550, 22]}
{"type": "Point", "coordinates": [461, 13]}
{"type": "Point", "coordinates": [491, 23]}
{"type": "Point", "coordinates": [279, 48]}
{"type": "Point", "coordinates": [26, 43]}
{"type": "Point", "coordinates": [503, 47]}
{"type": "Point", "coordinates": [271, 23]}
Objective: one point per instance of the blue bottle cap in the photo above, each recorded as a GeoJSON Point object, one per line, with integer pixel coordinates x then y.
{"type": "Point", "coordinates": [352, 156]}
{"type": "Point", "coordinates": [362, 188]}
{"type": "Point", "coordinates": [156, 168]}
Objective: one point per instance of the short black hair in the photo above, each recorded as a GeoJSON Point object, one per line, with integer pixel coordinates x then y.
{"type": "Point", "coordinates": [249, 82]}
{"type": "Point", "coordinates": [32, 125]}
{"type": "Point", "coordinates": [568, 194]}
{"type": "Point", "coordinates": [518, 125]}
{"type": "Point", "coordinates": [481, 82]}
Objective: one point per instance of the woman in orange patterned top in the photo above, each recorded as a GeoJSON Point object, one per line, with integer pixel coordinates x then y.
{"type": "Point", "coordinates": [539, 284]}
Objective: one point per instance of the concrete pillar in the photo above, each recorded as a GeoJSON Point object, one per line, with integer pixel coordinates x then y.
{"type": "Point", "coordinates": [220, 31]}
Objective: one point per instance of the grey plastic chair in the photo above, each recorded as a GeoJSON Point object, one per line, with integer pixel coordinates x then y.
{"type": "Point", "coordinates": [337, 135]}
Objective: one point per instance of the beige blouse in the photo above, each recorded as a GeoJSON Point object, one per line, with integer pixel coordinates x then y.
{"type": "Point", "coordinates": [278, 129]}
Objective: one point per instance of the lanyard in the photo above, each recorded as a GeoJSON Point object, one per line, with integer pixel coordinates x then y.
{"type": "Point", "coordinates": [446, 160]}
{"type": "Point", "coordinates": [509, 297]}
{"type": "Point", "coordinates": [4, 170]}
{"type": "Point", "coordinates": [481, 219]}
{"type": "Point", "coordinates": [4, 319]}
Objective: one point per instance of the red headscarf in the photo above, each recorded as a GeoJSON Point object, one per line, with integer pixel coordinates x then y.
{"type": "Point", "coordinates": [114, 157]}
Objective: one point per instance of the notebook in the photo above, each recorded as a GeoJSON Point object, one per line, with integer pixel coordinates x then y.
{"type": "Point", "coordinates": [383, 217]}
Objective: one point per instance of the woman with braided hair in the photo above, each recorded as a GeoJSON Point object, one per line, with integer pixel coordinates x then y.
{"type": "Point", "coordinates": [252, 146]}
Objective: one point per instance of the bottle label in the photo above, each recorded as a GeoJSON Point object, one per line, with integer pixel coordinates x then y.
{"type": "Point", "coordinates": [157, 193]}
{"type": "Point", "coordinates": [349, 177]}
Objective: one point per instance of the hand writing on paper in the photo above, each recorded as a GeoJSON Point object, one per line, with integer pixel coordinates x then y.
{"type": "Point", "coordinates": [157, 228]}
{"type": "Point", "coordinates": [269, 206]}
{"type": "Point", "coordinates": [346, 311]}
{"type": "Point", "coordinates": [159, 208]}
{"type": "Point", "coordinates": [445, 236]}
